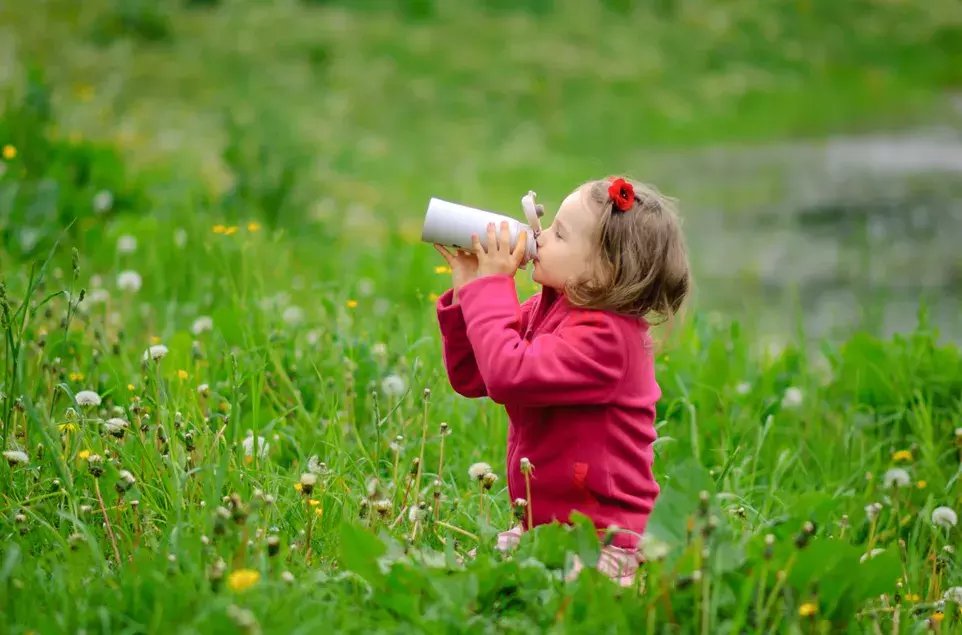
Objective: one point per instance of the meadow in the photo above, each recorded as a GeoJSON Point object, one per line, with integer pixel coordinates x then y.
{"type": "Point", "coordinates": [222, 400]}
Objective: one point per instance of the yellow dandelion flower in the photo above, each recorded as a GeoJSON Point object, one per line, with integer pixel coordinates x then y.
{"type": "Point", "coordinates": [913, 597]}
{"type": "Point", "coordinates": [442, 269]}
{"type": "Point", "coordinates": [67, 427]}
{"type": "Point", "coordinates": [182, 374]}
{"type": "Point", "coordinates": [433, 297]}
{"type": "Point", "coordinates": [84, 92]}
{"type": "Point", "coordinates": [808, 609]}
{"type": "Point", "coordinates": [921, 484]}
{"type": "Point", "coordinates": [230, 231]}
{"type": "Point", "coordinates": [131, 387]}
{"type": "Point", "coordinates": [253, 227]}
{"type": "Point", "coordinates": [223, 406]}
{"type": "Point", "coordinates": [75, 376]}
{"type": "Point", "coordinates": [937, 617]}
{"type": "Point", "coordinates": [298, 486]}
{"type": "Point", "coordinates": [248, 460]}
{"type": "Point", "coordinates": [351, 304]}
{"type": "Point", "coordinates": [243, 579]}
{"type": "Point", "coordinates": [902, 455]}
{"type": "Point", "coordinates": [319, 511]}
{"type": "Point", "coordinates": [219, 229]}
{"type": "Point", "coordinates": [83, 454]}
{"type": "Point", "coordinates": [9, 152]}
{"type": "Point", "coordinates": [314, 502]}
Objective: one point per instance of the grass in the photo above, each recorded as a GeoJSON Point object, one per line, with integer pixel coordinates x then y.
{"type": "Point", "coordinates": [324, 341]}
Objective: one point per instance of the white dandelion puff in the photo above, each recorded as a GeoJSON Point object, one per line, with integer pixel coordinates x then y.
{"type": "Point", "coordinates": [103, 201]}
{"type": "Point", "coordinates": [202, 324]}
{"type": "Point", "coordinates": [872, 510]}
{"type": "Point", "coordinates": [365, 287]}
{"type": "Point", "coordinates": [115, 425]}
{"type": "Point", "coordinates": [896, 477]}
{"type": "Point", "coordinates": [98, 296]}
{"type": "Point", "coordinates": [652, 548]}
{"type": "Point", "coordinates": [945, 517]}
{"type": "Point", "coordinates": [129, 280]}
{"type": "Point", "coordinates": [792, 398]}
{"type": "Point", "coordinates": [743, 388]}
{"type": "Point", "coordinates": [293, 315]}
{"type": "Point", "coordinates": [203, 390]}
{"type": "Point", "coordinates": [155, 352]}
{"type": "Point", "coordinates": [393, 385]}
{"type": "Point", "coordinates": [262, 445]}
{"type": "Point", "coordinates": [417, 512]}
{"type": "Point", "coordinates": [478, 470]}
{"type": "Point", "coordinates": [126, 244]}
{"type": "Point", "coordinates": [315, 465]}
{"type": "Point", "coordinates": [16, 457]}
{"type": "Point", "coordinates": [87, 398]}
{"type": "Point", "coordinates": [953, 594]}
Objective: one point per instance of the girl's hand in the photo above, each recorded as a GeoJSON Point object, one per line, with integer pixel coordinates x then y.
{"type": "Point", "coordinates": [464, 267]}
{"type": "Point", "coordinates": [499, 258]}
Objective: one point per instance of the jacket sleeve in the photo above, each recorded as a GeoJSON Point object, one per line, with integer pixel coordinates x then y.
{"type": "Point", "coordinates": [459, 362]}
{"type": "Point", "coordinates": [582, 363]}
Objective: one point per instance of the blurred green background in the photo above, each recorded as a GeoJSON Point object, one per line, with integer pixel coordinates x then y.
{"type": "Point", "coordinates": [815, 145]}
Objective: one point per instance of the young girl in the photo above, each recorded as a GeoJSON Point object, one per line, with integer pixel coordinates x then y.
{"type": "Point", "coordinates": [573, 365]}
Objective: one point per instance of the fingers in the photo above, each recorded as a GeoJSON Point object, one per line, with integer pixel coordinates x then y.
{"type": "Point", "coordinates": [476, 245]}
{"type": "Point", "coordinates": [519, 249]}
{"type": "Point", "coordinates": [447, 255]}
{"type": "Point", "coordinates": [505, 244]}
{"type": "Point", "coordinates": [492, 239]}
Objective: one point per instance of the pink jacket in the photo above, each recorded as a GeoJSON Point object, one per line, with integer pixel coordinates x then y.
{"type": "Point", "coordinates": [579, 387]}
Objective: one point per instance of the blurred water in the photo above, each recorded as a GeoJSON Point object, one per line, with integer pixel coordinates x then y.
{"type": "Point", "coordinates": [847, 232]}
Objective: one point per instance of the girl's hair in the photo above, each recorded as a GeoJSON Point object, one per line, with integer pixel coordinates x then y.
{"type": "Point", "coordinates": [644, 261]}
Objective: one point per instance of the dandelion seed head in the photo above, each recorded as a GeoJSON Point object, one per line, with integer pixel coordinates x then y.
{"type": "Point", "coordinates": [87, 398]}
{"type": "Point", "coordinates": [262, 446]}
{"type": "Point", "coordinates": [872, 510]}
{"type": "Point", "coordinates": [126, 244]}
{"type": "Point", "coordinates": [393, 386]}
{"type": "Point", "coordinates": [16, 457]}
{"type": "Point", "coordinates": [896, 477]}
{"type": "Point", "coordinates": [944, 517]}
{"type": "Point", "coordinates": [652, 548]}
{"type": "Point", "coordinates": [202, 324]}
{"type": "Point", "coordinates": [478, 470]}
{"type": "Point", "coordinates": [155, 352]}
{"type": "Point", "coordinates": [792, 398]}
{"type": "Point", "coordinates": [103, 201]}
{"type": "Point", "coordinates": [129, 280]}
{"type": "Point", "coordinates": [293, 315]}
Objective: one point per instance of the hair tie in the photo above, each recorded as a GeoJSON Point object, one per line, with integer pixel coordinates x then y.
{"type": "Point", "coordinates": [622, 194]}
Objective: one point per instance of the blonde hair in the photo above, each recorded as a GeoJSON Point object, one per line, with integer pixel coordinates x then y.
{"type": "Point", "coordinates": [644, 268]}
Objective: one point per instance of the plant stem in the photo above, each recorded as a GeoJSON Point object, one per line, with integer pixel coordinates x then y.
{"type": "Point", "coordinates": [103, 510]}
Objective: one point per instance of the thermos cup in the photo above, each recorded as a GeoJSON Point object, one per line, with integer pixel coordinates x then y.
{"type": "Point", "coordinates": [452, 224]}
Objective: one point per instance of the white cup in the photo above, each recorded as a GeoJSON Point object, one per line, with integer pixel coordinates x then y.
{"type": "Point", "coordinates": [452, 224]}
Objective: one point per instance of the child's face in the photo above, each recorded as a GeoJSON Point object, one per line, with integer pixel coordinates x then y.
{"type": "Point", "coordinates": [566, 249]}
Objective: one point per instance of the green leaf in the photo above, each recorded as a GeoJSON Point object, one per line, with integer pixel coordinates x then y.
{"type": "Point", "coordinates": [359, 552]}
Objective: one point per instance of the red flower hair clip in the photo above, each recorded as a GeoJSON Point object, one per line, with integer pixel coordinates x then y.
{"type": "Point", "coordinates": [622, 194]}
